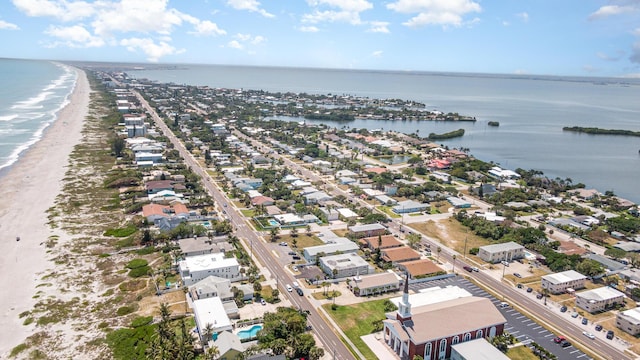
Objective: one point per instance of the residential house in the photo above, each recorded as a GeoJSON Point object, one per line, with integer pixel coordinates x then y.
{"type": "Point", "coordinates": [212, 286]}
{"type": "Point", "coordinates": [381, 241]}
{"type": "Point", "coordinates": [629, 321]}
{"type": "Point", "coordinates": [458, 203]}
{"type": "Point", "coordinates": [330, 214]}
{"type": "Point", "coordinates": [409, 206]}
{"type": "Point", "coordinates": [262, 201]}
{"type": "Point", "coordinates": [195, 268]}
{"type": "Point", "coordinates": [347, 214]}
{"type": "Point", "coordinates": [210, 312]}
{"type": "Point", "coordinates": [317, 197]}
{"type": "Point", "coordinates": [289, 219]}
{"type": "Point", "coordinates": [155, 186]}
{"type": "Point", "coordinates": [229, 346]}
{"type": "Point", "coordinates": [193, 246]}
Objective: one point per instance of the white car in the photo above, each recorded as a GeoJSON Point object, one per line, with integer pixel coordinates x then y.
{"type": "Point", "coordinates": [589, 335]}
{"type": "Point", "coordinates": [289, 288]}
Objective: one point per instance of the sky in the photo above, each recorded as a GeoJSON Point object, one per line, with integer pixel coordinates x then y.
{"type": "Point", "coordinates": [545, 37]}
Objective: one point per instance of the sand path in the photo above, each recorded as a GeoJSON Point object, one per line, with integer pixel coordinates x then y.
{"type": "Point", "coordinates": [29, 189]}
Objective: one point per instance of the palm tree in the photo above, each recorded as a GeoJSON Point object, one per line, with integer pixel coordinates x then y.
{"type": "Point", "coordinates": [207, 332]}
{"type": "Point", "coordinates": [316, 353]}
{"type": "Point", "coordinates": [212, 353]}
{"type": "Point", "coordinates": [454, 263]}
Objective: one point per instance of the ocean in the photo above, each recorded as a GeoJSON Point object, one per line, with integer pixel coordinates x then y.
{"type": "Point", "coordinates": [31, 95]}
{"type": "Point", "coordinates": [531, 110]}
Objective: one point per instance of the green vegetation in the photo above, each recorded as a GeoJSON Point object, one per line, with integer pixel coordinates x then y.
{"type": "Point", "coordinates": [285, 332]}
{"type": "Point", "coordinates": [360, 319]}
{"type": "Point", "coordinates": [598, 131]}
{"type": "Point", "coordinates": [449, 135]}
{"type": "Point", "coordinates": [18, 349]}
{"type": "Point", "coordinates": [138, 268]}
{"type": "Point", "coordinates": [121, 232]}
{"type": "Point", "coordinates": [330, 117]}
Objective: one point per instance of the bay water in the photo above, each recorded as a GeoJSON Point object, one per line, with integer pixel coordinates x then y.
{"type": "Point", "coordinates": [531, 110]}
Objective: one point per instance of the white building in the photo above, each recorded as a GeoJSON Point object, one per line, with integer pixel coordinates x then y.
{"type": "Point", "coordinates": [211, 311]}
{"type": "Point", "coordinates": [347, 214]}
{"type": "Point", "coordinates": [477, 349]}
{"type": "Point", "coordinates": [345, 265]}
{"type": "Point", "coordinates": [501, 252]}
{"type": "Point", "coordinates": [559, 282]}
{"type": "Point", "coordinates": [337, 245]}
{"type": "Point", "coordinates": [629, 321]}
{"type": "Point", "coordinates": [599, 299]}
{"type": "Point", "coordinates": [196, 268]}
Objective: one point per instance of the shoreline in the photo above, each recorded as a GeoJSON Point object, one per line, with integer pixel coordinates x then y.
{"type": "Point", "coordinates": [31, 185]}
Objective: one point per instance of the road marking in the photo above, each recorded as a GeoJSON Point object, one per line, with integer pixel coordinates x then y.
{"type": "Point", "coordinates": [578, 357]}
{"type": "Point", "coordinates": [537, 327]}
{"type": "Point", "coordinates": [575, 351]}
{"type": "Point", "coordinates": [548, 335]}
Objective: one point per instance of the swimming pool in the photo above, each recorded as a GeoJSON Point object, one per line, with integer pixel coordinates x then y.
{"type": "Point", "coordinates": [529, 256]}
{"type": "Point", "coordinates": [249, 333]}
{"type": "Point", "coordinates": [273, 222]}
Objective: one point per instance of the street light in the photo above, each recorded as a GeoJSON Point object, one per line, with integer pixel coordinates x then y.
{"type": "Point", "coordinates": [504, 267]}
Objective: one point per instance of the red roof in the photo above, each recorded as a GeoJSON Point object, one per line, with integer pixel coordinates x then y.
{"type": "Point", "coordinates": [377, 170]}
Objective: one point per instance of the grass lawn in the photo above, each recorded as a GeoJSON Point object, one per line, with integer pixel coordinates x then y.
{"type": "Point", "coordinates": [302, 241]}
{"type": "Point", "coordinates": [387, 210]}
{"type": "Point", "coordinates": [521, 353]}
{"type": "Point", "coordinates": [450, 233]}
{"type": "Point", "coordinates": [249, 213]}
{"type": "Point", "coordinates": [356, 320]}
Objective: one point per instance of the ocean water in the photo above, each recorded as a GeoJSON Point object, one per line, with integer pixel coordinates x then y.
{"type": "Point", "coordinates": [531, 110]}
{"type": "Point", "coordinates": [31, 95]}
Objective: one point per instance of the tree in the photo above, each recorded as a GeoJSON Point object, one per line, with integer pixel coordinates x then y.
{"type": "Point", "coordinates": [274, 233]}
{"type": "Point", "coordinates": [316, 353]}
{"type": "Point", "coordinates": [308, 229]}
{"type": "Point", "coordinates": [615, 253]}
{"type": "Point", "coordinates": [212, 353]}
{"type": "Point", "coordinates": [414, 239]}
{"type": "Point", "coordinates": [207, 332]}
{"type": "Point", "coordinates": [117, 146]}
{"type": "Point", "coordinates": [590, 268]}
{"type": "Point", "coordinates": [294, 233]}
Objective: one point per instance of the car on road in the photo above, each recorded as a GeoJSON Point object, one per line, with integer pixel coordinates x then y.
{"type": "Point", "coordinates": [563, 309]}
{"type": "Point", "coordinates": [289, 288]}
{"type": "Point", "coordinates": [475, 269]}
{"type": "Point", "coordinates": [585, 321]}
{"type": "Point", "coordinates": [225, 205]}
{"type": "Point", "coordinates": [529, 290]}
{"type": "Point", "coordinates": [520, 286]}
{"type": "Point", "coordinates": [468, 268]}
{"type": "Point", "coordinates": [263, 302]}
{"type": "Point", "coordinates": [610, 334]}
{"type": "Point", "coordinates": [559, 339]}
{"type": "Point", "coordinates": [598, 327]}
{"type": "Point", "coordinates": [589, 335]}
{"type": "Point", "coordinates": [565, 344]}
{"type": "Point", "coordinates": [299, 291]}
{"type": "Point", "coordinates": [517, 275]}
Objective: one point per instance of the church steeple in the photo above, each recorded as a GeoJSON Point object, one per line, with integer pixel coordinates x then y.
{"type": "Point", "coordinates": [404, 308]}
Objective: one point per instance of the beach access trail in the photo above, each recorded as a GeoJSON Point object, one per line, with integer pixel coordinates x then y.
{"type": "Point", "coordinates": [29, 189]}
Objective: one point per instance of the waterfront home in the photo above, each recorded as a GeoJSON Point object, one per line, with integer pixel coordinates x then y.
{"type": "Point", "coordinates": [565, 281]}
{"type": "Point", "coordinates": [195, 268]}
{"type": "Point", "coordinates": [586, 194]}
{"type": "Point", "coordinates": [229, 346]}
{"type": "Point", "coordinates": [599, 299]}
{"type": "Point", "coordinates": [503, 174]}
{"type": "Point", "coordinates": [155, 186]}
{"type": "Point", "coordinates": [193, 246]}
{"type": "Point", "coordinates": [154, 212]}
{"type": "Point", "coordinates": [212, 286]}
{"type": "Point", "coordinates": [165, 196]}
{"type": "Point", "coordinates": [210, 311]}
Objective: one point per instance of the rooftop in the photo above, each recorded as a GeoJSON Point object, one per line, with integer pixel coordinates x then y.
{"type": "Point", "coordinates": [563, 277]}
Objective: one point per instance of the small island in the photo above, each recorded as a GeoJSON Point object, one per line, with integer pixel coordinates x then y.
{"type": "Point", "coordinates": [598, 131]}
{"type": "Point", "coordinates": [449, 135]}
{"type": "Point", "coordinates": [493, 123]}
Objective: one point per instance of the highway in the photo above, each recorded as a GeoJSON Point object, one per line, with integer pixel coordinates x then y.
{"type": "Point", "coordinates": [255, 244]}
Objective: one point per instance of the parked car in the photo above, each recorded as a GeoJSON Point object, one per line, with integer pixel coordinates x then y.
{"type": "Point", "coordinates": [517, 275]}
{"type": "Point", "coordinates": [563, 309]}
{"type": "Point", "coordinates": [504, 305]}
{"type": "Point", "coordinates": [565, 344]}
{"type": "Point", "coordinates": [574, 315]}
{"type": "Point", "coordinates": [520, 286]}
{"type": "Point", "coordinates": [294, 268]}
{"type": "Point", "coordinates": [585, 321]}
{"type": "Point", "coordinates": [263, 302]}
{"type": "Point", "coordinates": [292, 253]}
{"type": "Point", "coordinates": [529, 290]}
{"type": "Point", "coordinates": [598, 327]}
{"type": "Point", "coordinates": [539, 296]}
{"type": "Point", "coordinates": [559, 339]}
{"type": "Point", "coordinates": [468, 268]}
{"type": "Point", "coordinates": [589, 335]}
{"type": "Point", "coordinates": [283, 243]}
{"type": "Point", "coordinates": [505, 263]}
{"type": "Point", "coordinates": [610, 334]}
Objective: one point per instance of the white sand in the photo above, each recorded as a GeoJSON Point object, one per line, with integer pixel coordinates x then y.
{"type": "Point", "coordinates": [29, 189]}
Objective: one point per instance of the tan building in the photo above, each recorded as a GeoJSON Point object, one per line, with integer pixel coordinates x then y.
{"type": "Point", "coordinates": [399, 254]}
{"type": "Point", "coordinates": [374, 284]}
{"type": "Point", "coordinates": [558, 283]}
{"type": "Point", "coordinates": [599, 299]}
{"type": "Point", "coordinates": [629, 321]}
{"type": "Point", "coordinates": [421, 268]}
{"type": "Point", "coordinates": [385, 241]}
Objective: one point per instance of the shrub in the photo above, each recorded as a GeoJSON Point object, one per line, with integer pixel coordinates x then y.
{"type": "Point", "coordinates": [121, 232]}
{"type": "Point", "coordinates": [125, 310]}
{"type": "Point", "coordinates": [138, 272]}
{"type": "Point", "coordinates": [141, 321]}
{"type": "Point", "coordinates": [136, 263]}
{"type": "Point", "coordinates": [474, 251]}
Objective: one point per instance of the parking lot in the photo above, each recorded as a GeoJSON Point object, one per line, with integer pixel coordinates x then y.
{"type": "Point", "coordinates": [520, 326]}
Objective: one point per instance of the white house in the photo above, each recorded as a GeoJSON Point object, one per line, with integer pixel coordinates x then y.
{"type": "Point", "coordinates": [599, 299]}
{"type": "Point", "coordinates": [196, 268]}
{"type": "Point", "coordinates": [501, 252]}
{"type": "Point", "coordinates": [211, 311]}
{"type": "Point", "coordinates": [559, 282]}
{"type": "Point", "coordinates": [629, 321]}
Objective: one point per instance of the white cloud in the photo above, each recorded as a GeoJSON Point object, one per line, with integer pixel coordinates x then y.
{"type": "Point", "coordinates": [75, 36]}
{"type": "Point", "coordinates": [250, 5]}
{"type": "Point", "coordinates": [523, 16]}
{"type": "Point", "coordinates": [258, 40]}
{"type": "Point", "coordinates": [235, 45]}
{"type": "Point", "coordinates": [138, 16]}
{"type": "Point", "coordinates": [435, 12]}
{"type": "Point", "coordinates": [207, 28]}
{"type": "Point", "coordinates": [308, 29]}
{"type": "Point", "coordinates": [377, 53]}
{"type": "Point", "coordinates": [347, 11]}
{"type": "Point", "coordinates": [243, 37]}
{"type": "Point", "coordinates": [610, 10]}
{"type": "Point", "coordinates": [153, 50]}
{"type": "Point", "coordinates": [379, 27]}
{"type": "Point", "coordinates": [60, 9]}
{"type": "Point", "coordinates": [8, 26]}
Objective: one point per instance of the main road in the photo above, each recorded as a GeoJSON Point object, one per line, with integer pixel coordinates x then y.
{"type": "Point", "coordinates": [254, 243]}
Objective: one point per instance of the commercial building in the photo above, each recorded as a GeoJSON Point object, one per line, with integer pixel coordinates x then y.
{"type": "Point", "coordinates": [367, 230]}
{"type": "Point", "coordinates": [344, 265]}
{"type": "Point", "coordinates": [629, 321]}
{"type": "Point", "coordinates": [374, 284]}
{"type": "Point", "coordinates": [337, 245]}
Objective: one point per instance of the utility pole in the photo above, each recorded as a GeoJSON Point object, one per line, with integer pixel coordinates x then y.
{"type": "Point", "coordinates": [465, 247]}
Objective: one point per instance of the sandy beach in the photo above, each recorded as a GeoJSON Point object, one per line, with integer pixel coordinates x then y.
{"type": "Point", "coordinates": [30, 188]}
